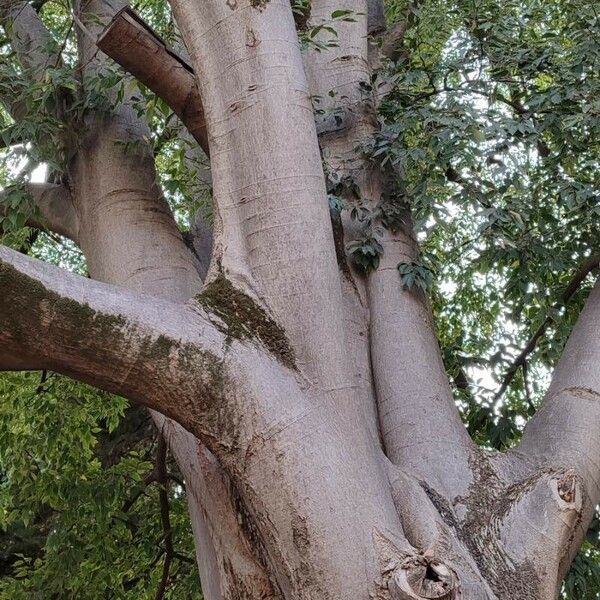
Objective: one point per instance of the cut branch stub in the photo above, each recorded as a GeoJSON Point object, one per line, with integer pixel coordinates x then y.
{"type": "Point", "coordinates": [129, 41]}
{"type": "Point", "coordinates": [420, 578]}
{"type": "Point", "coordinates": [568, 489]}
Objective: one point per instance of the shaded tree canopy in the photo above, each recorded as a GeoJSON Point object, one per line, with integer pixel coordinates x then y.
{"type": "Point", "coordinates": [488, 131]}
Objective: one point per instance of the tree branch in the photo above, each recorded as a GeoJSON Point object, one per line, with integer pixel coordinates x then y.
{"type": "Point", "coordinates": [36, 48]}
{"type": "Point", "coordinates": [413, 391]}
{"type": "Point", "coordinates": [520, 361]}
{"type": "Point", "coordinates": [55, 206]}
{"type": "Point", "coordinates": [563, 434]}
{"type": "Point", "coordinates": [133, 345]}
{"type": "Point", "coordinates": [375, 17]}
{"type": "Point", "coordinates": [392, 45]}
{"type": "Point", "coordinates": [137, 48]}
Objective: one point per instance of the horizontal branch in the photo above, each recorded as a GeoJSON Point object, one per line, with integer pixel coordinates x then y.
{"type": "Point", "coordinates": [55, 207]}
{"type": "Point", "coordinates": [137, 48]}
{"type": "Point", "coordinates": [137, 346]}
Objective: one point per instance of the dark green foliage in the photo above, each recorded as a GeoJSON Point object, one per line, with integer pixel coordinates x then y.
{"type": "Point", "coordinates": [416, 273]}
{"type": "Point", "coordinates": [76, 520]}
{"type": "Point", "coordinates": [366, 252]}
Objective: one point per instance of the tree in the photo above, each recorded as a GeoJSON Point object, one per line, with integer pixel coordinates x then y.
{"type": "Point", "coordinates": [298, 380]}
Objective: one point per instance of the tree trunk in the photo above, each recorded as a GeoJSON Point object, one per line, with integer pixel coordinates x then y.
{"type": "Point", "coordinates": [305, 402]}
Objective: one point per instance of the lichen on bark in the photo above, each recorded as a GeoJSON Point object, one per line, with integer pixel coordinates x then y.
{"type": "Point", "coordinates": [111, 349]}
{"type": "Point", "coordinates": [241, 318]}
{"type": "Point", "coordinates": [260, 4]}
{"type": "Point", "coordinates": [488, 502]}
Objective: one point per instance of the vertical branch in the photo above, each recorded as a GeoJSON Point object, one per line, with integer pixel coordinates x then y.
{"type": "Point", "coordinates": [564, 429]}
{"type": "Point", "coordinates": [413, 393]}
{"type": "Point", "coordinates": [267, 175]}
{"type": "Point", "coordinates": [392, 45]}
{"type": "Point", "coordinates": [376, 17]}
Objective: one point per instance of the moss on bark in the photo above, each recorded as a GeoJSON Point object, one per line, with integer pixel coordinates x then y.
{"type": "Point", "coordinates": [242, 318]}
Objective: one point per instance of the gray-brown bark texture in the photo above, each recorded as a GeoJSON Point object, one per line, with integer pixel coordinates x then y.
{"type": "Point", "coordinates": [306, 403]}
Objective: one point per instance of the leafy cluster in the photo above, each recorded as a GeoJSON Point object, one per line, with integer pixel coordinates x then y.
{"type": "Point", "coordinates": [493, 126]}
{"type": "Point", "coordinates": [76, 518]}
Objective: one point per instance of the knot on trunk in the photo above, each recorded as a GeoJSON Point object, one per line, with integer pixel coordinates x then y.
{"type": "Point", "coordinates": [422, 577]}
{"type": "Point", "coordinates": [569, 491]}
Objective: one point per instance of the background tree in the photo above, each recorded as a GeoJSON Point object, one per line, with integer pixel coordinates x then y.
{"type": "Point", "coordinates": [316, 437]}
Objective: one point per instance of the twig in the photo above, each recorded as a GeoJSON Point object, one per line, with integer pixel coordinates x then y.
{"type": "Point", "coordinates": [526, 386]}
{"type": "Point", "coordinates": [163, 481]}
{"type": "Point", "coordinates": [184, 558]}
{"type": "Point", "coordinates": [43, 379]}
{"type": "Point", "coordinates": [588, 265]}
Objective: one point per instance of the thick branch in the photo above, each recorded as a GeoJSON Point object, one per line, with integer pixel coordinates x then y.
{"type": "Point", "coordinates": [267, 172]}
{"type": "Point", "coordinates": [36, 50]}
{"type": "Point", "coordinates": [564, 431]}
{"type": "Point", "coordinates": [413, 393]}
{"type": "Point", "coordinates": [125, 343]}
{"type": "Point", "coordinates": [30, 39]}
{"type": "Point", "coordinates": [55, 207]}
{"type": "Point", "coordinates": [135, 46]}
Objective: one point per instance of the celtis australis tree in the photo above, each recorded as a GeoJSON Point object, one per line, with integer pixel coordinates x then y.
{"type": "Point", "coordinates": [285, 346]}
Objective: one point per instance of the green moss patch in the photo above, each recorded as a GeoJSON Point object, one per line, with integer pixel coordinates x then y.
{"type": "Point", "coordinates": [243, 319]}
